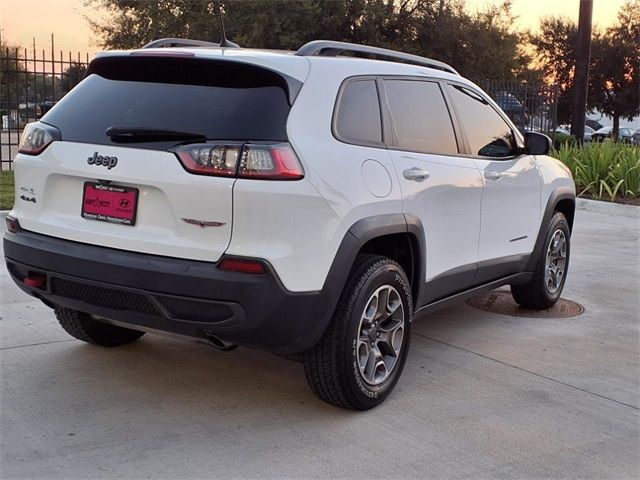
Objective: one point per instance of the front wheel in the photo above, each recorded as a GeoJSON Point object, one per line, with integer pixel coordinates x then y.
{"type": "Point", "coordinates": [359, 359]}
{"type": "Point", "coordinates": [550, 272]}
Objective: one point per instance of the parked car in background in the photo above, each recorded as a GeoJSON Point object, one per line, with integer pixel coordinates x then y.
{"type": "Point", "coordinates": [45, 107]}
{"type": "Point", "coordinates": [594, 124]}
{"type": "Point", "coordinates": [625, 134]}
{"type": "Point", "coordinates": [26, 112]}
{"type": "Point", "coordinates": [513, 107]}
{"type": "Point", "coordinates": [566, 130]}
{"type": "Point", "coordinates": [588, 133]}
{"type": "Point", "coordinates": [636, 138]}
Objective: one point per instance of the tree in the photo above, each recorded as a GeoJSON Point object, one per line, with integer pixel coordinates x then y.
{"type": "Point", "coordinates": [14, 79]}
{"type": "Point", "coordinates": [72, 76]}
{"type": "Point", "coordinates": [614, 81]}
{"type": "Point", "coordinates": [280, 24]}
{"type": "Point", "coordinates": [131, 23]}
{"type": "Point", "coordinates": [616, 68]}
{"type": "Point", "coordinates": [554, 49]}
{"type": "Point", "coordinates": [286, 25]}
{"type": "Point", "coordinates": [481, 44]}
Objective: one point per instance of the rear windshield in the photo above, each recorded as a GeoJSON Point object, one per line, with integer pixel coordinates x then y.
{"type": "Point", "coordinates": [217, 99]}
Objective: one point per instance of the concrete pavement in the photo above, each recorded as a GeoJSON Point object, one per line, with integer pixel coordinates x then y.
{"type": "Point", "coordinates": [482, 395]}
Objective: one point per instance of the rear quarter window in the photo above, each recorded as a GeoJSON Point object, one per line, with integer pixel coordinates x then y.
{"type": "Point", "coordinates": [357, 118]}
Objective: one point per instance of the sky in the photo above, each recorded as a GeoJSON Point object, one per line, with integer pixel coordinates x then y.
{"type": "Point", "coordinates": [23, 20]}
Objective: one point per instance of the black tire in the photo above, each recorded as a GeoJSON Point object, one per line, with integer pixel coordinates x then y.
{"type": "Point", "coordinates": [331, 367]}
{"type": "Point", "coordinates": [537, 294]}
{"type": "Point", "coordinates": [83, 327]}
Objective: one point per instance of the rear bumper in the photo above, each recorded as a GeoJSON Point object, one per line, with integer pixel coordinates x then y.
{"type": "Point", "coordinates": [185, 297]}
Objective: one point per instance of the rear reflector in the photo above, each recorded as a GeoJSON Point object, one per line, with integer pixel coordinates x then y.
{"type": "Point", "coordinates": [249, 160]}
{"type": "Point", "coordinates": [242, 266]}
{"type": "Point", "coordinates": [35, 280]}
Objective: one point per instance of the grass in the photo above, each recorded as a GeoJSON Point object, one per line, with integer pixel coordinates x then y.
{"type": "Point", "coordinates": [6, 190]}
{"type": "Point", "coordinates": [605, 171]}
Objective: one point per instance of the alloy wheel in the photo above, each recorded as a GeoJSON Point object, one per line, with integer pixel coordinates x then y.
{"type": "Point", "coordinates": [556, 262]}
{"type": "Point", "coordinates": [380, 335]}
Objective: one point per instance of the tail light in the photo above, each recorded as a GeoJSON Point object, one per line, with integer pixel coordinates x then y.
{"type": "Point", "coordinates": [36, 137]}
{"type": "Point", "coordinates": [249, 160]}
{"type": "Point", "coordinates": [209, 159]}
{"type": "Point", "coordinates": [273, 162]}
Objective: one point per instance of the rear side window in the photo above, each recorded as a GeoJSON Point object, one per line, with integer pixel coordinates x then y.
{"type": "Point", "coordinates": [358, 117]}
{"type": "Point", "coordinates": [487, 132]}
{"type": "Point", "coordinates": [217, 99]}
{"type": "Point", "coordinates": [421, 120]}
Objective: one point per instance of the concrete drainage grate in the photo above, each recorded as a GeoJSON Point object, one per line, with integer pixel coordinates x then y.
{"type": "Point", "coordinates": [501, 301]}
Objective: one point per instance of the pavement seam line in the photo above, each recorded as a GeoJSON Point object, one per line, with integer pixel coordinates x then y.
{"type": "Point", "coordinates": [527, 371]}
{"type": "Point", "coordinates": [37, 344]}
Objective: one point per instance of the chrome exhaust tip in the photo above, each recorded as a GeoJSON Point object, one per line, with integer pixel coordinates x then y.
{"type": "Point", "coordinates": [220, 344]}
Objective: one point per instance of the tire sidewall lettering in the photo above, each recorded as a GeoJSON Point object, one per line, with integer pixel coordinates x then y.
{"type": "Point", "coordinates": [400, 284]}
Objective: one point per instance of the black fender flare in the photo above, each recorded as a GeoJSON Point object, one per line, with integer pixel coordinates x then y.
{"type": "Point", "coordinates": [355, 238]}
{"type": "Point", "coordinates": [369, 228]}
{"type": "Point", "coordinates": [561, 193]}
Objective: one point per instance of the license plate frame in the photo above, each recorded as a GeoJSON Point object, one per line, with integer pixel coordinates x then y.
{"type": "Point", "coordinates": [116, 204]}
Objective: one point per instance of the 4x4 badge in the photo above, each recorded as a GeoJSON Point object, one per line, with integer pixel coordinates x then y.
{"type": "Point", "coordinates": [202, 223]}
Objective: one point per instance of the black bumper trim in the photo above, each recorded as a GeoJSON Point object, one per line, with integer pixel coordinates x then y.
{"type": "Point", "coordinates": [250, 310]}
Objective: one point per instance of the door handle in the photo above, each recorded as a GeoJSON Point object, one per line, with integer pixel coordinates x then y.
{"type": "Point", "coordinates": [492, 175]}
{"type": "Point", "coordinates": [416, 174]}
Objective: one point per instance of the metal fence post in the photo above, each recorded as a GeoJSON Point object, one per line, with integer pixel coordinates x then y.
{"type": "Point", "coordinates": [29, 86]}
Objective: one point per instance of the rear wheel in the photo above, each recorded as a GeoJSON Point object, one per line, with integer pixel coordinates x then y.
{"type": "Point", "coordinates": [84, 327]}
{"type": "Point", "coordinates": [358, 361]}
{"type": "Point", "coordinates": [550, 272]}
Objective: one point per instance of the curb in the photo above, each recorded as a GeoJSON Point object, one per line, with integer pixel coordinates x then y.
{"type": "Point", "coordinates": [608, 208]}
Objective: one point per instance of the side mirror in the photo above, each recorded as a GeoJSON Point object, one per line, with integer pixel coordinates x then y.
{"type": "Point", "coordinates": [537, 143]}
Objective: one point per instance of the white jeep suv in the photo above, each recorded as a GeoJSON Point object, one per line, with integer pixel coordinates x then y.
{"type": "Point", "coordinates": [308, 203]}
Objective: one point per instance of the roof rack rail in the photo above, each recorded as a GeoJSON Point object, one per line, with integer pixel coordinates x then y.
{"type": "Point", "coordinates": [179, 42]}
{"type": "Point", "coordinates": [329, 48]}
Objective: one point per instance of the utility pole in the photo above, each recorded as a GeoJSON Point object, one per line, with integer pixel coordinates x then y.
{"type": "Point", "coordinates": [583, 58]}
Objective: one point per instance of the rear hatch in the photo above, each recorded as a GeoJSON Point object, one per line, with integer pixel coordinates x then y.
{"type": "Point", "coordinates": [146, 152]}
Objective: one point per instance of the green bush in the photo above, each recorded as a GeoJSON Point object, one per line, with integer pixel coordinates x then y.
{"type": "Point", "coordinates": [604, 169]}
{"type": "Point", "coordinates": [563, 140]}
